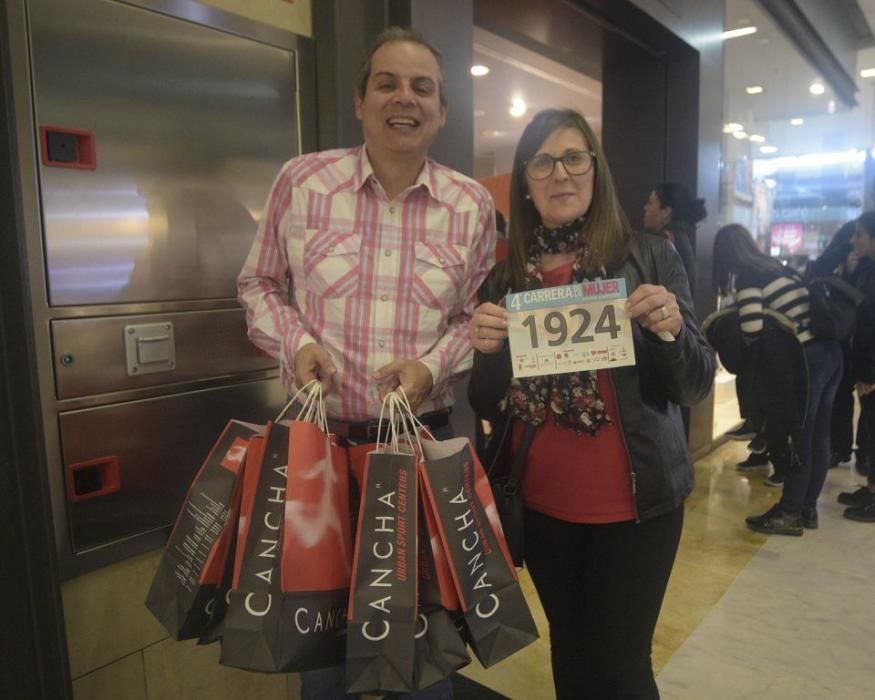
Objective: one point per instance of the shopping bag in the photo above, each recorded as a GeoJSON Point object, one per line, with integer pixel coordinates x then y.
{"type": "Point", "coordinates": [382, 604]}
{"type": "Point", "coordinates": [317, 550]}
{"type": "Point", "coordinates": [183, 591]}
{"type": "Point", "coordinates": [250, 636]}
{"type": "Point", "coordinates": [287, 605]}
{"type": "Point", "coordinates": [439, 649]}
{"type": "Point", "coordinates": [496, 615]}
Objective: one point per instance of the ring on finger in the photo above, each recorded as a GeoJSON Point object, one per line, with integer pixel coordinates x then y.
{"type": "Point", "coordinates": [476, 331]}
{"type": "Point", "coordinates": [664, 311]}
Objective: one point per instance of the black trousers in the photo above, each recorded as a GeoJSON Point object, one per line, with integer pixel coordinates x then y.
{"type": "Point", "coordinates": [602, 587]}
{"type": "Point", "coordinates": [866, 432]}
{"type": "Point", "coordinates": [841, 428]}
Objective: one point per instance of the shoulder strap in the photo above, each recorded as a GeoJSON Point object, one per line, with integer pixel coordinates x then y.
{"type": "Point", "coordinates": [519, 459]}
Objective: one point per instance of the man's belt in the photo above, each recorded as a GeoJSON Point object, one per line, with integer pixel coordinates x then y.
{"type": "Point", "coordinates": [366, 431]}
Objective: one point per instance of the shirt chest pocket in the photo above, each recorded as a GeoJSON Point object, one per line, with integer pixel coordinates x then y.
{"type": "Point", "coordinates": [331, 262]}
{"type": "Point", "coordinates": [439, 270]}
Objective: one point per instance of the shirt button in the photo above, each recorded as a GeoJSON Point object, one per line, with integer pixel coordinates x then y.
{"type": "Point", "coordinates": [441, 261]}
{"type": "Point", "coordinates": [385, 297]}
{"type": "Point", "coordinates": [388, 253]}
{"type": "Point", "coordinates": [381, 342]}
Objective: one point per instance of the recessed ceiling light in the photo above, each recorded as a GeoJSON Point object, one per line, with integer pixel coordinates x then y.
{"type": "Point", "coordinates": [753, 89]}
{"type": "Point", "coordinates": [518, 107]}
{"type": "Point", "coordinates": [732, 127]}
{"type": "Point", "coordinates": [816, 88]}
{"type": "Point", "coordinates": [797, 121]}
{"type": "Point", "coordinates": [756, 138]}
{"type": "Point", "coordinates": [867, 73]}
{"type": "Point", "coordinates": [768, 149]}
{"type": "Point", "coordinates": [741, 31]}
{"type": "Point", "coordinates": [479, 70]}
{"type": "Point", "coordinates": [739, 135]}
{"type": "Point", "coordinates": [831, 106]}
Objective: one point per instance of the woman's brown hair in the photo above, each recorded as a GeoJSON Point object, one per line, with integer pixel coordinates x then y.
{"type": "Point", "coordinates": [735, 252]}
{"type": "Point", "coordinates": [605, 229]}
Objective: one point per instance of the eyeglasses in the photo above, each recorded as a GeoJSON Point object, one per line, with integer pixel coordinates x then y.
{"type": "Point", "coordinates": [575, 162]}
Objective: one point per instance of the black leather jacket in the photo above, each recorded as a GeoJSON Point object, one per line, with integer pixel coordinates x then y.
{"type": "Point", "coordinates": [666, 375]}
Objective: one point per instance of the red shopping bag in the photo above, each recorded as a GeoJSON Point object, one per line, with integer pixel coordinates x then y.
{"type": "Point", "coordinates": [382, 604]}
{"type": "Point", "coordinates": [496, 615]}
{"type": "Point", "coordinates": [187, 582]}
{"type": "Point", "coordinates": [286, 609]}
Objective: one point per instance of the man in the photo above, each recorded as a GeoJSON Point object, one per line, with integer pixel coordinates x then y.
{"type": "Point", "coordinates": [383, 251]}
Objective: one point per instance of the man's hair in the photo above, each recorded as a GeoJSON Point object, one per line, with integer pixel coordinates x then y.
{"type": "Point", "coordinates": [410, 36]}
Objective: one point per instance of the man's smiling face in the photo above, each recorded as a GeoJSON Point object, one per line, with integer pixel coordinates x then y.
{"type": "Point", "coordinates": [401, 111]}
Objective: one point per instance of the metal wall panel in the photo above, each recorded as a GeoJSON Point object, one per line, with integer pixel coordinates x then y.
{"type": "Point", "coordinates": [159, 443]}
{"type": "Point", "coordinates": [191, 125]}
{"type": "Point", "coordinates": [90, 352]}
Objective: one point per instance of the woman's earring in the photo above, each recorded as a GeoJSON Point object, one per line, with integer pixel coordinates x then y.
{"type": "Point", "coordinates": [528, 196]}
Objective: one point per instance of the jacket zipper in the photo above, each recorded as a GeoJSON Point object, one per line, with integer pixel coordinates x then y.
{"type": "Point", "coordinates": [632, 473]}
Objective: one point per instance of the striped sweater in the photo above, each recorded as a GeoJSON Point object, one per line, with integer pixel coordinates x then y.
{"type": "Point", "coordinates": [771, 290]}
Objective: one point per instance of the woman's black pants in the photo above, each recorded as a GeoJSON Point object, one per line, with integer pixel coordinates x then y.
{"type": "Point", "coordinates": [602, 588]}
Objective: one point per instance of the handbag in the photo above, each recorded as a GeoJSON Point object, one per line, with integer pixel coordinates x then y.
{"type": "Point", "coordinates": [506, 491]}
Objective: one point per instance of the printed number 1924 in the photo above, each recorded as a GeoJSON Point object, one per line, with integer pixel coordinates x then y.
{"type": "Point", "coordinates": [556, 325]}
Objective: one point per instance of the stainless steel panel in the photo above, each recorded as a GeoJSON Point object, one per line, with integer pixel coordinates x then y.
{"type": "Point", "coordinates": [191, 126]}
{"type": "Point", "coordinates": [159, 443]}
{"type": "Point", "coordinates": [90, 354]}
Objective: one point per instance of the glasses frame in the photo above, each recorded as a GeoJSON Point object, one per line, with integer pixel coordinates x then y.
{"type": "Point", "coordinates": [557, 159]}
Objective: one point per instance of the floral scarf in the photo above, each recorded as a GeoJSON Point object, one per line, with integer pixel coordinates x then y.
{"type": "Point", "coordinates": [573, 397]}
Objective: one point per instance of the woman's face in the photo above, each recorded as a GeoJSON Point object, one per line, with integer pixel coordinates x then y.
{"type": "Point", "coordinates": [864, 244]}
{"type": "Point", "coordinates": [655, 216]}
{"type": "Point", "coordinates": [561, 197]}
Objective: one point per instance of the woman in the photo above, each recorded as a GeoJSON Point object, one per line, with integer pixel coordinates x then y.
{"type": "Point", "coordinates": [862, 501]}
{"type": "Point", "coordinates": [761, 282]}
{"type": "Point", "coordinates": [671, 212]}
{"type": "Point", "coordinates": [608, 468]}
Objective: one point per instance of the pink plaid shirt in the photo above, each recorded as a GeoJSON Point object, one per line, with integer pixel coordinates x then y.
{"type": "Point", "coordinates": [336, 263]}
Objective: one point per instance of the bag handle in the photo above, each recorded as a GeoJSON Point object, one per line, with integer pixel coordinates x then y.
{"type": "Point", "coordinates": [401, 424]}
{"type": "Point", "coordinates": [313, 407]}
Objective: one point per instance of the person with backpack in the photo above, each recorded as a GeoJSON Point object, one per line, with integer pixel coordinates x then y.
{"type": "Point", "coordinates": [762, 283]}
{"type": "Point", "coordinates": [861, 503]}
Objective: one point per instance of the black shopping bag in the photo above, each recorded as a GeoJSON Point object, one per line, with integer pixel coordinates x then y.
{"type": "Point", "coordinates": [183, 591]}
{"type": "Point", "coordinates": [439, 650]}
{"type": "Point", "coordinates": [382, 604]}
{"type": "Point", "coordinates": [496, 614]}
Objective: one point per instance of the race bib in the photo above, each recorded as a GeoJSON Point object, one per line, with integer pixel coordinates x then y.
{"type": "Point", "coordinates": [570, 328]}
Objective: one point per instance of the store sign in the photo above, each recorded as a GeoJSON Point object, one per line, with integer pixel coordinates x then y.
{"type": "Point", "coordinates": [787, 237]}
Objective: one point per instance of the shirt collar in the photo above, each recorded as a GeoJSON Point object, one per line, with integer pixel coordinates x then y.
{"type": "Point", "coordinates": [427, 178]}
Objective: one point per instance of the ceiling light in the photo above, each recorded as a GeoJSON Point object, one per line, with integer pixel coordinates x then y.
{"type": "Point", "coordinates": [739, 134]}
{"type": "Point", "coordinates": [518, 107]}
{"type": "Point", "coordinates": [768, 149]}
{"type": "Point", "coordinates": [816, 88]}
{"type": "Point", "coordinates": [741, 31]}
{"type": "Point", "coordinates": [831, 106]}
{"type": "Point", "coordinates": [756, 138]}
{"type": "Point", "coordinates": [867, 73]}
{"type": "Point", "coordinates": [478, 71]}
{"type": "Point", "coordinates": [732, 127]}
{"type": "Point", "coordinates": [753, 89]}
{"type": "Point", "coordinates": [797, 121]}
